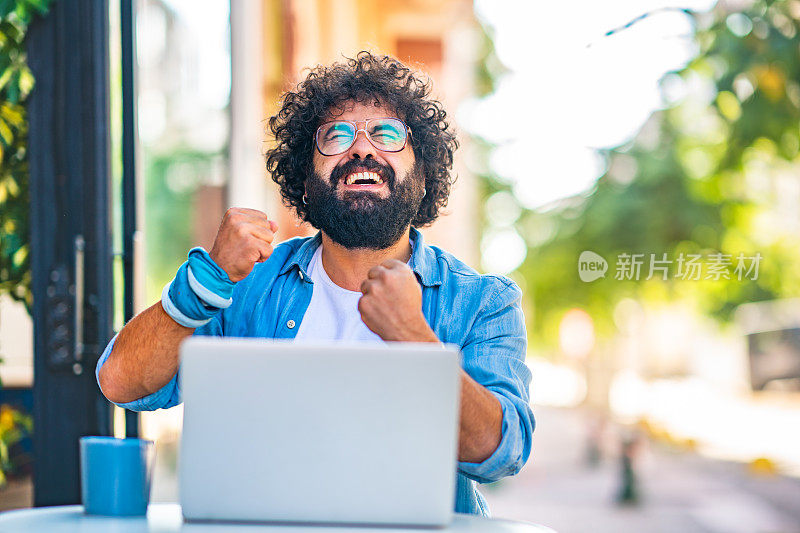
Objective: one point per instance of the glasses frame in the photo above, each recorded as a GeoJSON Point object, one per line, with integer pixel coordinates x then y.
{"type": "Point", "coordinates": [364, 129]}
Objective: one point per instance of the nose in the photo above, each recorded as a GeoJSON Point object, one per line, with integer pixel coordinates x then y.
{"type": "Point", "coordinates": [361, 148]}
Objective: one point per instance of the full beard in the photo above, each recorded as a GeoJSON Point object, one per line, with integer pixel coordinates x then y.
{"type": "Point", "coordinates": [362, 219]}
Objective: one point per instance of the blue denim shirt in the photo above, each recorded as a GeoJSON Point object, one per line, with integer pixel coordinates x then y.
{"type": "Point", "coordinates": [479, 313]}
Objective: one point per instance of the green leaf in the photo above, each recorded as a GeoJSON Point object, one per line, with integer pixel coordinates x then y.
{"type": "Point", "coordinates": [5, 77]}
{"type": "Point", "coordinates": [20, 256]}
{"type": "Point", "coordinates": [12, 88]}
{"type": "Point", "coordinates": [5, 133]}
{"type": "Point", "coordinates": [12, 186]}
{"type": "Point", "coordinates": [6, 7]}
{"type": "Point", "coordinates": [11, 31]}
{"type": "Point", "coordinates": [26, 81]}
{"type": "Point", "coordinates": [12, 114]}
{"type": "Point", "coordinates": [41, 6]}
{"type": "Point", "coordinates": [5, 62]}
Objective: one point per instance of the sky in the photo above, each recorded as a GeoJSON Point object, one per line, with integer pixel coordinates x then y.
{"type": "Point", "coordinates": [571, 90]}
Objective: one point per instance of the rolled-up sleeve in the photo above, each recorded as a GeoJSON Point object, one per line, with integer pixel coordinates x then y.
{"type": "Point", "coordinates": [494, 356]}
{"type": "Point", "coordinates": [170, 394]}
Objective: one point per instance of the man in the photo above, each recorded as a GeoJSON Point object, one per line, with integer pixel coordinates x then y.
{"type": "Point", "coordinates": [365, 156]}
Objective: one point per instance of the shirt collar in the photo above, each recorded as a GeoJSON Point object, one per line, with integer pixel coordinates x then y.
{"type": "Point", "coordinates": [422, 262]}
{"type": "Point", "coordinates": [302, 257]}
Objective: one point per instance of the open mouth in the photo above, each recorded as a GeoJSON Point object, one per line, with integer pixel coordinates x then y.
{"type": "Point", "coordinates": [363, 180]}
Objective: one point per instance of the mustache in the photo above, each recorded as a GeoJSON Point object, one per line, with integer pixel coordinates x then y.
{"type": "Point", "coordinates": [362, 165]}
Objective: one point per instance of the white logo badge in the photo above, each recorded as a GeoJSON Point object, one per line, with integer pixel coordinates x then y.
{"type": "Point", "coordinates": [591, 266]}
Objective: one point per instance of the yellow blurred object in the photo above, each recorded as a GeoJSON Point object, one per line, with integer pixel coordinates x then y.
{"type": "Point", "coordinates": [654, 431]}
{"type": "Point", "coordinates": [6, 418]}
{"type": "Point", "coordinates": [728, 105]}
{"type": "Point", "coordinates": [661, 434]}
{"type": "Point", "coordinates": [647, 426]}
{"type": "Point", "coordinates": [763, 466]}
{"type": "Point", "coordinates": [771, 80]}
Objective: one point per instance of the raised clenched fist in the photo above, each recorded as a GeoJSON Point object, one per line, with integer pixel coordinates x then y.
{"type": "Point", "coordinates": [244, 238]}
{"type": "Point", "coordinates": [391, 305]}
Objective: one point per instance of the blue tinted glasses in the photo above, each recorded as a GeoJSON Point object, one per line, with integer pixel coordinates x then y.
{"type": "Point", "coordinates": [385, 134]}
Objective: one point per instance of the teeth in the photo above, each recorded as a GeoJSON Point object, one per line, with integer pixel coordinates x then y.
{"type": "Point", "coordinates": [352, 178]}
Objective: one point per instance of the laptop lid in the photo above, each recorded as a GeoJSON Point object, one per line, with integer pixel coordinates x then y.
{"type": "Point", "coordinates": [335, 433]}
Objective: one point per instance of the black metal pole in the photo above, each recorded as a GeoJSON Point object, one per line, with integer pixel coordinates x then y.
{"type": "Point", "coordinates": [129, 145]}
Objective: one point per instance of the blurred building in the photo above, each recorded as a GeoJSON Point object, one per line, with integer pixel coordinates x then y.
{"type": "Point", "coordinates": [439, 37]}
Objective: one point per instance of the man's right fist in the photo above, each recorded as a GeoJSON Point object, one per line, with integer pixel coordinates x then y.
{"type": "Point", "coordinates": [244, 238]}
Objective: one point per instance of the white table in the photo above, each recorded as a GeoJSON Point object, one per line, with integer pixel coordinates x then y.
{"type": "Point", "coordinates": [166, 517]}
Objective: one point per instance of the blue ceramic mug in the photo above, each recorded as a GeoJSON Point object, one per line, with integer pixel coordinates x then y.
{"type": "Point", "coordinates": [115, 475]}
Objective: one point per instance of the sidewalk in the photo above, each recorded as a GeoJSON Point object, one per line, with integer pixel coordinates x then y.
{"type": "Point", "coordinates": [680, 492]}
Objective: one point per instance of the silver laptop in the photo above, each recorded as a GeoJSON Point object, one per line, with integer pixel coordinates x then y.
{"type": "Point", "coordinates": [278, 431]}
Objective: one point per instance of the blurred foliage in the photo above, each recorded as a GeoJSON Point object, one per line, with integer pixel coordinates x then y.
{"type": "Point", "coordinates": [14, 427]}
{"type": "Point", "coordinates": [16, 82]}
{"type": "Point", "coordinates": [715, 171]}
{"type": "Point", "coordinates": [489, 69]}
{"type": "Point", "coordinates": [171, 182]}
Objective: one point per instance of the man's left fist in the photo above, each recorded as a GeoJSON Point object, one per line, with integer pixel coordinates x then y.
{"type": "Point", "coordinates": [392, 304]}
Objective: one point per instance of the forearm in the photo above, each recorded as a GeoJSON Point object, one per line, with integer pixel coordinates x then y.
{"type": "Point", "coordinates": [145, 356]}
{"type": "Point", "coordinates": [480, 428]}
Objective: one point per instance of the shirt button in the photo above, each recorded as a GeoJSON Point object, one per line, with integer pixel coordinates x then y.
{"type": "Point", "coordinates": [301, 275]}
{"type": "Point", "coordinates": [290, 324]}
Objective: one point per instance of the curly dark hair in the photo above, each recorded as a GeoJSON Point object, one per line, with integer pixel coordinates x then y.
{"type": "Point", "coordinates": [388, 82]}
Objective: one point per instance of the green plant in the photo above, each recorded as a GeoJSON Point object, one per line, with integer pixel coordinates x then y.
{"type": "Point", "coordinates": [14, 427]}
{"type": "Point", "coordinates": [16, 83]}
{"type": "Point", "coordinates": [707, 174]}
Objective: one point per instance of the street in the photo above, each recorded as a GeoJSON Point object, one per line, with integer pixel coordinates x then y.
{"type": "Point", "coordinates": [678, 491]}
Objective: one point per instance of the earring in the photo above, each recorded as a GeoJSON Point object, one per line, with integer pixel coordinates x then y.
{"type": "Point", "coordinates": [305, 199]}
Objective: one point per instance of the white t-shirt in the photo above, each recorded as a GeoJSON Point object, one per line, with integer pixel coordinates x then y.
{"type": "Point", "coordinates": [332, 313]}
